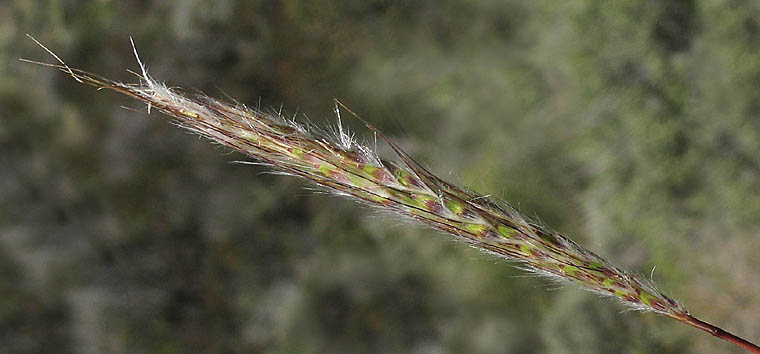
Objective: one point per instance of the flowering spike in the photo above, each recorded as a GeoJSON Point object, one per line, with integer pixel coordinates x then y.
{"type": "Point", "coordinates": [348, 168]}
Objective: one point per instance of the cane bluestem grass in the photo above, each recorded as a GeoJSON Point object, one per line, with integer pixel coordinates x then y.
{"type": "Point", "coordinates": [337, 162]}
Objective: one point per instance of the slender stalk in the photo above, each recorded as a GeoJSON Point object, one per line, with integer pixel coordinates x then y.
{"type": "Point", "coordinates": [720, 333]}
{"type": "Point", "coordinates": [340, 164]}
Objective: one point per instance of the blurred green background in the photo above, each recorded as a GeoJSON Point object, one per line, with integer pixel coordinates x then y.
{"type": "Point", "coordinates": [632, 126]}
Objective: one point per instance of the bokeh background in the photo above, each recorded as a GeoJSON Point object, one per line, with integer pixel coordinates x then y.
{"type": "Point", "coordinates": [632, 126]}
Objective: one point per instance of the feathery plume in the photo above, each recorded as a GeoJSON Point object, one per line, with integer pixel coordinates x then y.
{"type": "Point", "coordinates": [340, 164]}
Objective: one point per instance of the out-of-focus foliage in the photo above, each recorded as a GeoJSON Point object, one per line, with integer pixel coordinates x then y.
{"type": "Point", "coordinates": [632, 126]}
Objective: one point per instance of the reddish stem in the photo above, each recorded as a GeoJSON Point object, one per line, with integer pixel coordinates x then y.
{"type": "Point", "coordinates": [719, 332]}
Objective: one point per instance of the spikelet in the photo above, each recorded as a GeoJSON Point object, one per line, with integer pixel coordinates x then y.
{"type": "Point", "coordinates": [340, 164]}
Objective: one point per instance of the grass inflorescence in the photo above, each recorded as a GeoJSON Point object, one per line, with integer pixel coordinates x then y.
{"type": "Point", "coordinates": [339, 163]}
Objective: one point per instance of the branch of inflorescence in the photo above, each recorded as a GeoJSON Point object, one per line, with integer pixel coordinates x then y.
{"type": "Point", "coordinates": [345, 167]}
